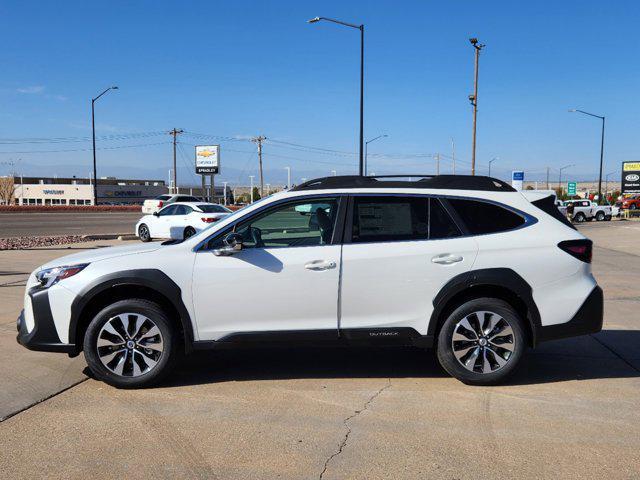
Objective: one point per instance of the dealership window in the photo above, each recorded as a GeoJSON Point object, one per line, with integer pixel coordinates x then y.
{"type": "Point", "coordinates": [72, 201]}
{"type": "Point", "coordinates": [47, 201]}
{"type": "Point", "coordinates": [38, 201]}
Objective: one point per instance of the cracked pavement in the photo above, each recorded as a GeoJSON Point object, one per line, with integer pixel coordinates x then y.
{"type": "Point", "coordinates": [571, 412]}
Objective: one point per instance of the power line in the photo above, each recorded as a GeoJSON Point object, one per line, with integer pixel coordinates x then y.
{"type": "Point", "coordinates": [36, 141]}
{"type": "Point", "coordinates": [85, 149]}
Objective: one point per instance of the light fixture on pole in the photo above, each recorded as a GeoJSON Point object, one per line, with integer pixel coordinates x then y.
{"type": "Point", "coordinates": [491, 161]}
{"type": "Point", "coordinates": [361, 28]}
{"type": "Point", "coordinates": [560, 176]}
{"type": "Point", "coordinates": [366, 150]}
{"type": "Point", "coordinates": [93, 130]}
{"type": "Point", "coordinates": [601, 147]}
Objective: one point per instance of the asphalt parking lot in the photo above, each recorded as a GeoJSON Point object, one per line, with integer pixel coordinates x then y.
{"type": "Point", "coordinates": [572, 411]}
{"type": "Point", "coordinates": [67, 223]}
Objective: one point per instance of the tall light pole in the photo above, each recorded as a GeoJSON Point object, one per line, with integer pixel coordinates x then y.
{"type": "Point", "coordinates": [491, 161]}
{"type": "Point", "coordinates": [288, 177]}
{"type": "Point", "coordinates": [361, 28]}
{"type": "Point", "coordinates": [560, 176]}
{"type": "Point", "coordinates": [473, 98]}
{"type": "Point", "coordinates": [601, 148]}
{"type": "Point", "coordinates": [606, 185]}
{"type": "Point", "coordinates": [93, 130]}
{"type": "Point", "coordinates": [366, 151]}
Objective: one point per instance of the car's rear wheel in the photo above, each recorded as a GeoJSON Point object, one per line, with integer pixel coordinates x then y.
{"type": "Point", "coordinates": [189, 232]}
{"type": "Point", "coordinates": [143, 233]}
{"type": "Point", "coordinates": [482, 342]}
{"type": "Point", "coordinates": [130, 344]}
{"type": "Point", "coordinates": [600, 216]}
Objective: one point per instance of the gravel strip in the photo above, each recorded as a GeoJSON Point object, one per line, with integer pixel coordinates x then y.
{"type": "Point", "coordinates": [22, 243]}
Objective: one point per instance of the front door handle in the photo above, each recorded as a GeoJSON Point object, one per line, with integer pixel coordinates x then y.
{"type": "Point", "coordinates": [447, 259]}
{"type": "Point", "coordinates": [318, 265]}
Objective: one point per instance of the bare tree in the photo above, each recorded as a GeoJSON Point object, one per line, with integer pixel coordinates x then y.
{"type": "Point", "coordinates": [7, 189]}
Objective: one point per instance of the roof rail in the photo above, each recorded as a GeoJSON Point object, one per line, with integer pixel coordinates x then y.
{"type": "Point", "coordinates": [454, 182]}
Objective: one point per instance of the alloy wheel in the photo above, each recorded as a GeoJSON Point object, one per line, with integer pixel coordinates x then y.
{"type": "Point", "coordinates": [130, 344]}
{"type": "Point", "coordinates": [144, 232]}
{"type": "Point", "coordinates": [483, 342]}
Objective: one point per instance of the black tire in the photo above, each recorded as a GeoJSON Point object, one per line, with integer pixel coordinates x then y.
{"type": "Point", "coordinates": [496, 374]}
{"type": "Point", "coordinates": [143, 233]}
{"type": "Point", "coordinates": [188, 232]}
{"type": "Point", "coordinates": [600, 216]}
{"type": "Point", "coordinates": [580, 217]}
{"type": "Point", "coordinates": [164, 362]}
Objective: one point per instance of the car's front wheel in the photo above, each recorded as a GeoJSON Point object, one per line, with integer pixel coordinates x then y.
{"type": "Point", "coordinates": [580, 217]}
{"type": "Point", "coordinates": [130, 344]}
{"type": "Point", "coordinates": [481, 342]}
{"type": "Point", "coordinates": [143, 233]}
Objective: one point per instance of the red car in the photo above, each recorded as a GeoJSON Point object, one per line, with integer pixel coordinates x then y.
{"type": "Point", "coordinates": [631, 203]}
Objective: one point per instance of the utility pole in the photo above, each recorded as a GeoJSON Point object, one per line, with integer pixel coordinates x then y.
{"type": "Point", "coordinates": [259, 141]}
{"type": "Point", "coordinates": [474, 101]}
{"type": "Point", "coordinates": [453, 155]}
{"type": "Point", "coordinates": [175, 132]}
{"type": "Point", "coordinates": [547, 178]}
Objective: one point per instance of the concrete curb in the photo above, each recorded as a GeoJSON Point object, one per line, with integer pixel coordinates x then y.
{"type": "Point", "coordinates": [111, 236]}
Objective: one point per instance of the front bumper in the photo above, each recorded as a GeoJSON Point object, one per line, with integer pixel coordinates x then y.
{"type": "Point", "coordinates": [43, 337]}
{"type": "Point", "coordinates": [588, 319]}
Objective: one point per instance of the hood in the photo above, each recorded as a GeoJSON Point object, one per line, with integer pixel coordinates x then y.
{"type": "Point", "coordinates": [97, 254]}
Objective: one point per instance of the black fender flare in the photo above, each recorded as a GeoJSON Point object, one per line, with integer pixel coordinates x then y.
{"type": "Point", "coordinates": [504, 278]}
{"type": "Point", "coordinates": [150, 278]}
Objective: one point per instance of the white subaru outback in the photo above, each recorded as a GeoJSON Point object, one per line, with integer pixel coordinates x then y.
{"type": "Point", "coordinates": [464, 264]}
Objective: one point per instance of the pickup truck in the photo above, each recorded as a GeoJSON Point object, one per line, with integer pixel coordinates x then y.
{"type": "Point", "coordinates": [586, 210]}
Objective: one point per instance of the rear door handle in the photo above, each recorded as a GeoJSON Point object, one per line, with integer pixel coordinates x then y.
{"type": "Point", "coordinates": [318, 265]}
{"type": "Point", "coordinates": [447, 259]}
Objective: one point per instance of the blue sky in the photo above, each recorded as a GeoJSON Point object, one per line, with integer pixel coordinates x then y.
{"type": "Point", "coordinates": [243, 68]}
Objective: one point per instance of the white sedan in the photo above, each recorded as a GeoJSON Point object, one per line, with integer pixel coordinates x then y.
{"type": "Point", "coordinates": [179, 220]}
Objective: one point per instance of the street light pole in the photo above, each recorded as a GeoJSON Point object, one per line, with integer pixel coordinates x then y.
{"type": "Point", "coordinates": [474, 101]}
{"type": "Point", "coordinates": [361, 28]}
{"type": "Point", "coordinates": [601, 148]}
{"type": "Point", "coordinates": [93, 131]}
{"type": "Point", "coordinates": [490, 162]}
{"type": "Point", "coordinates": [366, 151]}
{"type": "Point", "coordinates": [560, 176]}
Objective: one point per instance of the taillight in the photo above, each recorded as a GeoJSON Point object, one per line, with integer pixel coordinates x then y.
{"type": "Point", "coordinates": [160, 204]}
{"type": "Point", "coordinates": [581, 249]}
{"type": "Point", "coordinates": [208, 220]}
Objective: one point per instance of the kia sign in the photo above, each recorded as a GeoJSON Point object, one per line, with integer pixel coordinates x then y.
{"type": "Point", "coordinates": [517, 178]}
{"type": "Point", "coordinates": [630, 177]}
{"type": "Point", "coordinates": [207, 159]}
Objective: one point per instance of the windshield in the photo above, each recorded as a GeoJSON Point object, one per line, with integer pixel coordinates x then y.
{"type": "Point", "coordinates": [213, 209]}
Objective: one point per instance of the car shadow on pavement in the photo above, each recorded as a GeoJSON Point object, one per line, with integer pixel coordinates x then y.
{"type": "Point", "coordinates": [609, 354]}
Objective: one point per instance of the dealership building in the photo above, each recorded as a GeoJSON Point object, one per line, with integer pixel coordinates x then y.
{"type": "Point", "coordinates": [79, 191]}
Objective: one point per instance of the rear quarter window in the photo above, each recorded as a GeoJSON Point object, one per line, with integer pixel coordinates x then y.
{"type": "Point", "coordinates": [483, 218]}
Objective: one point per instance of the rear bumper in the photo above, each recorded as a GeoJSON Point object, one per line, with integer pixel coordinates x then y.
{"type": "Point", "coordinates": [588, 319]}
{"type": "Point", "coordinates": [43, 337]}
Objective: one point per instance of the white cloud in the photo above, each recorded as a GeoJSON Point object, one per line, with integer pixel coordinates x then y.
{"type": "Point", "coordinates": [31, 90]}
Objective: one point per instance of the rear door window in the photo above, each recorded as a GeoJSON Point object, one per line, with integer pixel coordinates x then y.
{"type": "Point", "coordinates": [389, 219]}
{"type": "Point", "coordinates": [483, 217]}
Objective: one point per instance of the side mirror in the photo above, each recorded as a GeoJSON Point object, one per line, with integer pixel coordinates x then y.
{"type": "Point", "coordinates": [156, 214]}
{"type": "Point", "coordinates": [232, 244]}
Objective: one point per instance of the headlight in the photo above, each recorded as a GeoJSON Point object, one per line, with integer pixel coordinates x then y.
{"type": "Point", "coordinates": [51, 276]}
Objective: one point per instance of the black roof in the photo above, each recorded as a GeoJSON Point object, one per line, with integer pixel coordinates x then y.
{"type": "Point", "coordinates": [454, 182]}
